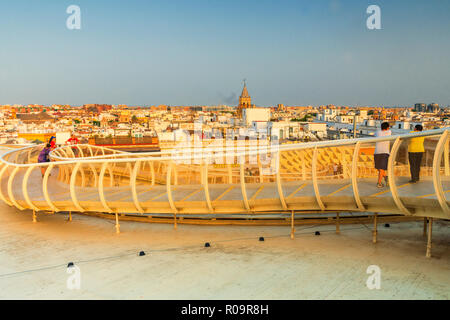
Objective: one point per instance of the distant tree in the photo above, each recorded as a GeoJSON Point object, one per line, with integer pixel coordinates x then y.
{"type": "Point", "coordinates": [305, 118]}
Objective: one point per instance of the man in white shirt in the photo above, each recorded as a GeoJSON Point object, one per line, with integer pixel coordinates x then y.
{"type": "Point", "coordinates": [381, 154]}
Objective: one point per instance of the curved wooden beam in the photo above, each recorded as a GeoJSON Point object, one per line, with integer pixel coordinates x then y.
{"type": "Point", "coordinates": [73, 194]}
{"type": "Point", "coordinates": [260, 168]}
{"type": "Point", "coordinates": [90, 150]}
{"type": "Point", "coordinates": [169, 188]}
{"type": "Point", "coordinates": [243, 188]}
{"type": "Point", "coordinates": [73, 153]}
{"type": "Point", "coordinates": [10, 191]}
{"type": "Point", "coordinates": [314, 179]}
{"type": "Point", "coordinates": [83, 177]}
{"type": "Point", "coordinates": [81, 151]}
{"type": "Point", "coordinates": [17, 156]}
{"type": "Point", "coordinates": [206, 187]}
{"type": "Point", "coordinates": [111, 176]}
{"type": "Point", "coordinates": [94, 173]}
{"type": "Point", "coordinates": [66, 175]}
{"type": "Point", "coordinates": [436, 173]}
{"type": "Point", "coordinates": [133, 187]}
{"type": "Point", "coordinates": [129, 168]}
{"type": "Point", "coordinates": [230, 173]}
{"type": "Point", "coordinates": [391, 177]}
{"type": "Point", "coordinates": [2, 196]}
{"type": "Point", "coordinates": [152, 170]}
{"type": "Point", "coordinates": [279, 186]}
{"type": "Point", "coordinates": [45, 188]}
{"type": "Point", "coordinates": [358, 201]}
{"type": "Point", "coordinates": [302, 159]}
{"type": "Point", "coordinates": [25, 189]}
{"type": "Point", "coordinates": [175, 176]}
{"type": "Point", "coordinates": [101, 190]}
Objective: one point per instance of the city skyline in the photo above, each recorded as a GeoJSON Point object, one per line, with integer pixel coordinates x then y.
{"type": "Point", "coordinates": [177, 53]}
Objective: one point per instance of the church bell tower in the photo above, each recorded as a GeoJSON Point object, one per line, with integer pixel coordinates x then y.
{"type": "Point", "coordinates": [244, 100]}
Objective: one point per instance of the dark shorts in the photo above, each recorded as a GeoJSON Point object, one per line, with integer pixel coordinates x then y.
{"type": "Point", "coordinates": [381, 160]}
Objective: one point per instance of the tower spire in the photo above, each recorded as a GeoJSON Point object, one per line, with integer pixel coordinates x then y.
{"type": "Point", "coordinates": [244, 99]}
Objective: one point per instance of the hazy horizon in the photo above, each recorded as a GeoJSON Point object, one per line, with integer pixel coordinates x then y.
{"type": "Point", "coordinates": [197, 53]}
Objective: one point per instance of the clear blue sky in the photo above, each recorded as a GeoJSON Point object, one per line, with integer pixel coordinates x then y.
{"type": "Point", "coordinates": [196, 52]}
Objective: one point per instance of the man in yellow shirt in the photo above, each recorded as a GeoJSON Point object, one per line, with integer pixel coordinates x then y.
{"type": "Point", "coordinates": [415, 152]}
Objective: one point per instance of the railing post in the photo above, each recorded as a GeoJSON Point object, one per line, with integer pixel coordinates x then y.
{"type": "Point", "coordinates": [425, 227]}
{"type": "Point", "coordinates": [430, 230]}
{"type": "Point", "coordinates": [117, 223]}
{"type": "Point", "coordinates": [292, 225]}
{"type": "Point", "coordinates": [338, 230]}
{"type": "Point", "coordinates": [374, 232]}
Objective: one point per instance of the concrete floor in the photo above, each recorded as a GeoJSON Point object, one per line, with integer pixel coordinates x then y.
{"type": "Point", "coordinates": [34, 257]}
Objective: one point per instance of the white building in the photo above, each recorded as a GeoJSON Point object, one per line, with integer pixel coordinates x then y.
{"type": "Point", "coordinates": [255, 114]}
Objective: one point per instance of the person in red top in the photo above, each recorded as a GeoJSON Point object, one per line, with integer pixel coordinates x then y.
{"type": "Point", "coordinates": [73, 140]}
{"type": "Point", "coordinates": [52, 142]}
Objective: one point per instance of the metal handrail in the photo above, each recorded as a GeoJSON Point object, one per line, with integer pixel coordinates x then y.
{"type": "Point", "coordinates": [223, 152]}
{"type": "Point", "coordinates": [282, 147]}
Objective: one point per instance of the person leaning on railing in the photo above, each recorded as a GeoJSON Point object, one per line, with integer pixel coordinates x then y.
{"type": "Point", "coordinates": [52, 142]}
{"type": "Point", "coordinates": [415, 154]}
{"type": "Point", "coordinates": [73, 140]}
{"type": "Point", "coordinates": [44, 157]}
